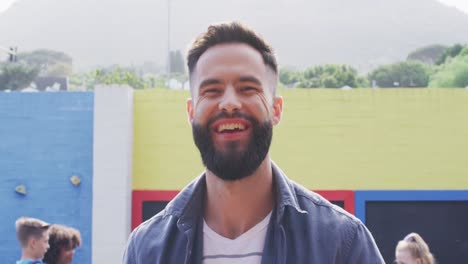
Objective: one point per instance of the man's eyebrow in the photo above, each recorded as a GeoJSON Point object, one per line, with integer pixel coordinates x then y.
{"type": "Point", "coordinates": [250, 79]}
{"type": "Point", "coordinates": [209, 82]}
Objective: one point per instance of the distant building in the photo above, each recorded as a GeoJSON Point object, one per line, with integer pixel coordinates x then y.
{"type": "Point", "coordinates": [175, 84]}
{"type": "Point", "coordinates": [48, 83]}
{"type": "Point", "coordinates": [346, 87]}
{"type": "Point", "coordinates": [292, 85]}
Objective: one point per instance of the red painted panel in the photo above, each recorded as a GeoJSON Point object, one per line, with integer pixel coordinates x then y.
{"type": "Point", "coordinates": [138, 197]}
{"type": "Point", "coordinates": [346, 196]}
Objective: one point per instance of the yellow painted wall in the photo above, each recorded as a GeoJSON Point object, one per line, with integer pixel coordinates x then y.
{"type": "Point", "coordinates": [361, 139]}
{"type": "Point", "coordinates": [164, 155]}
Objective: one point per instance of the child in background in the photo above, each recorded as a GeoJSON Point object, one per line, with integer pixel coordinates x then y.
{"type": "Point", "coordinates": [413, 250]}
{"type": "Point", "coordinates": [62, 240]}
{"type": "Point", "coordinates": [33, 236]}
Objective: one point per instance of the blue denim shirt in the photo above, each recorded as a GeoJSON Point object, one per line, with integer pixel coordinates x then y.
{"type": "Point", "coordinates": [304, 228]}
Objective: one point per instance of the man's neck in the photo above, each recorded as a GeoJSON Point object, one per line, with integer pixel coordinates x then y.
{"type": "Point", "coordinates": [233, 207]}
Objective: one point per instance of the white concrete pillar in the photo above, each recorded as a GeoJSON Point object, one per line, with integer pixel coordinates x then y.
{"type": "Point", "coordinates": [112, 172]}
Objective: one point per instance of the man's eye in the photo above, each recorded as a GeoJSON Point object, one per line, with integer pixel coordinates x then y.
{"type": "Point", "coordinates": [212, 91]}
{"type": "Point", "coordinates": [248, 88]}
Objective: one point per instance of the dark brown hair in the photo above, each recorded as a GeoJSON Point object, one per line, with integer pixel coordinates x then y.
{"type": "Point", "coordinates": [61, 238]}
{"type": "Point", "coordinates": [27, 227]}
{"type": "Point", "coordinates": [230, 32]}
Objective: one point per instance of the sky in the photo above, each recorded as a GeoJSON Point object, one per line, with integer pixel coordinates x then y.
{"type": "Point", "coordinates": [5, 4]}
{"type": "Point", "coordinates": [460, 4]}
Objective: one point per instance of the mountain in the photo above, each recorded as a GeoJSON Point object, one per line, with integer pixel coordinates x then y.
{"type": "Point", "coordinates": [363, 33]}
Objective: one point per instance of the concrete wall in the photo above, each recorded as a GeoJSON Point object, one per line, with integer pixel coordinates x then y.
{"type": "Point", "coordinates": [113, 129]}
{"type": "Point", "coordinates": [46, 138]}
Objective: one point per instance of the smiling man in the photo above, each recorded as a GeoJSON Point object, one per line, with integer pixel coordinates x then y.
{"type": "Point", "coordinates": [243, 208]}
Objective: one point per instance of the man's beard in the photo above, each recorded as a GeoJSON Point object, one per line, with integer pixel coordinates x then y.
{"type": "Point", "coordinates": [233, 164]}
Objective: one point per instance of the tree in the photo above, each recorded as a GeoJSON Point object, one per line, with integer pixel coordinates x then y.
{"type": "Point", "coordinates": [116, 74]}
{"type": "Point", "coordinates": [428, 54]}
{"type": "Point", "coordinates": [289, 76]}
{"type": "Point", "coordinates": [47, 60]}
{"type": "Point", "coordinates": [403, 74]}
{"type": "Point", "coordinates": [16, 76]}
{"type": "Point", "coordinates": [177, 62]}
{"type": "Point", "coordinates": [464, 51]}
{"type": "Point", "coordinates": [330, 76]}
{"type": "Point", "coordinates": [120, 76]}
{"type": "Point", "coordinates": [60, 69]}
{"type": "Point", "coordinates": [453, 73]}
{"type": "Point", "coordinates": [450, 52]}
{"type": "Point", "coordinates": [362, 82]}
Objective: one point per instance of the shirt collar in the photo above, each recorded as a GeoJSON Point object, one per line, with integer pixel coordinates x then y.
{"type": "Point", "coordinates": [188, 204]}
{"type": "Point", "coordinates": [285, 193]}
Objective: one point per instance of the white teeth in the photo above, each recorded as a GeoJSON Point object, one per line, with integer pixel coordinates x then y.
{"type": "Point", "coordinates": [231, 126]}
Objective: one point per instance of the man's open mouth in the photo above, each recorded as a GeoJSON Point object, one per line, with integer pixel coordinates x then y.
{"type": "Point", "coordinates": [230, 127]}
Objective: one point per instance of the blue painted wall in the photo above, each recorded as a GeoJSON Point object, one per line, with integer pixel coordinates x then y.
{"type": "Point", "coordinates": [45, 138]}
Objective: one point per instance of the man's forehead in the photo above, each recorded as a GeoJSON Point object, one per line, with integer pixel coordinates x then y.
{"type": "Point", "coordinates": [228, 57]}
{"type": "Point", "coordinates": [233, 47]}
{"type": "Point", "coordinates": [231, 58]}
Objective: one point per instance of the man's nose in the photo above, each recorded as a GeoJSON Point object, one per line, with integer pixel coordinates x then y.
{"type": "Point", "coordinates": [230, 101]}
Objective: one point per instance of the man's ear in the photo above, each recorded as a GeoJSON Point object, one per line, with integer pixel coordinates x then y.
{"type": "Point", "coordinates": [277, 109]}
{"type": "Point", "coordinates": [190, 110]}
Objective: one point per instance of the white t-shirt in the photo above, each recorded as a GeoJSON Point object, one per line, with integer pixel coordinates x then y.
{"type": "Point", "coordinates": [245, 249]}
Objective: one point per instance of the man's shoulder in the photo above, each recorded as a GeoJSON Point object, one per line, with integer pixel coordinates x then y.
{"type": "Point", "coordinates": [150, 236]}
{"type": "Point", "coordinates": [320, 220]}
{"type": "Point", "coordinates": [185, 205]}
{"type": "Point", "coordinates": [153, 227]}
{"type": "Point", "coordinates": [322, 210]}
{"type": "Point", "coordinates": [313, 209]}
{"type": "Point", "coordinates": [168, 228]}
{"type": "Point", "coordinates": [156, 220]}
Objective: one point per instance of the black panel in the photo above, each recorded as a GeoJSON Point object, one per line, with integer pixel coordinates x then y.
{"type": "Point", "coordinates": [339, 203]}
{"type": "Point", "coordinates": [150, 208]}
{"type": "Point", "coordinates": [442, 224]}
